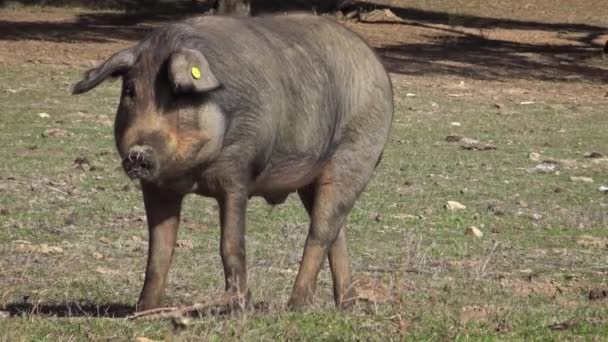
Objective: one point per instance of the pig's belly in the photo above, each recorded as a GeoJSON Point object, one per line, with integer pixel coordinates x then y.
{"type": "Point", "coordinates": [277, 183]}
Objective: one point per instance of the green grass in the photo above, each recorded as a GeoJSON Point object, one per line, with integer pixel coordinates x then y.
{"type": "Point", "coordinates": [524, 275]}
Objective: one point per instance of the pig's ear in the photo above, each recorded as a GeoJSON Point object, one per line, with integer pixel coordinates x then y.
{"type": "Point", "coordinates": [189, 72]}
{"type": "Point", "coordinates": [115, 66]}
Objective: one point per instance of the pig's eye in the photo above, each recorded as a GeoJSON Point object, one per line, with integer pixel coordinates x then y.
{"type": "Point", "coordinates": [129, 90]}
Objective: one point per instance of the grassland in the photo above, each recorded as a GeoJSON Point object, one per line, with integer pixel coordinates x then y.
{"type": "Point", "coordinates": [73, 236]}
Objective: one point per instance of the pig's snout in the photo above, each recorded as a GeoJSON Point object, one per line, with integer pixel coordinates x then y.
{"type": "Point", "coordinates": [140, 163]}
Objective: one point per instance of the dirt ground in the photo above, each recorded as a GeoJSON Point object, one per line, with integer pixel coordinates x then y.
{"type": "Point", "coordinates": [529, 80]}
{"type": "Point", "coordinates": [557, 56]}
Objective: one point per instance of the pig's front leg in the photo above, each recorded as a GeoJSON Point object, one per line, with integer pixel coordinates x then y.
{"type": "Point", "coordinates": [232, 244]}
{"type": "Point", "coordinates": [163, 211]}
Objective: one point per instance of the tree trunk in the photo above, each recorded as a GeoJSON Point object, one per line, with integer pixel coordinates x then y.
{"type": "Point", "coordinates": [234, 7]}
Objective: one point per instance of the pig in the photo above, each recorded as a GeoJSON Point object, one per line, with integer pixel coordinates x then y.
{"type": "Point", "coordinates": [234, 107]}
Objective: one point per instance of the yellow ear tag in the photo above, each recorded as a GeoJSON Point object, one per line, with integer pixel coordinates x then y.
{"type": "Point", "coordinates": [196, 73]}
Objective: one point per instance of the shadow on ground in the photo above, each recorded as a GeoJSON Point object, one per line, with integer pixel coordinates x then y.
{"type": "Point", "coordinates": [449, 50]}
{"type": "Point", "coordinates": [109, 310]}
{"type": "Point", "coordinates": [459, 53]}
{"type": "Point", "coordinates": [71, 309]}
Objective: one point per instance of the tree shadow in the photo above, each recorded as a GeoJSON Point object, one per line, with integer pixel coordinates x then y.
{"type": "Point", "coordinates": [489, 59]}
{"type": "Point", "coordinates": [454, 50]}
{"type": "Point", "coordinates": [450, 50]}
{"type": "Point", "coordinates": [101, 27]}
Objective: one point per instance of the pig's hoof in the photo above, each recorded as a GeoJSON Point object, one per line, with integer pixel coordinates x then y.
{"type": "Point", "coordinates": [237, 301]}
{"type": "Point", "coordinates": [297, 303]}
{"type": "Point", "coordinates": [348, 300]}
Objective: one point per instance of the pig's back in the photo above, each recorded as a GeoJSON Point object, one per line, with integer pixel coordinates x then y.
{"type": "Point", "coordinates": [299, 85]}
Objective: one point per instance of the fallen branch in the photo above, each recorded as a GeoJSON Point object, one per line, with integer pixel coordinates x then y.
{"type": "Point", "coordinates": [222, 302]}
{"type": "Point", "coordinates": [151, 312]}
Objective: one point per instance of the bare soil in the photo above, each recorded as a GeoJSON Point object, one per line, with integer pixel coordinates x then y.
{"type": "Point", "coordinates": [536, 60]}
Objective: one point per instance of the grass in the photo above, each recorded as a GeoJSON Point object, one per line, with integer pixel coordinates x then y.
{"type": "Point", "coordinates": [526, 274]}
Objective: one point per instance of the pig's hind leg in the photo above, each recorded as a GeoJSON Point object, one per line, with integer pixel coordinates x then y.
{"type": "Point", "coordinates": [328, 201]}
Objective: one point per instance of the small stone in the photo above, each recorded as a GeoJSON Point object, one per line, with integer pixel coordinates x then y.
{"type": "Point", "coordinates": [4, 211]}
{"type": "Point", "coordinates": [371, 290]}
{"type": "Point", "coordinates": [454, 206]}
{"type": "Point", "coordinates": [105, 240]}
{"type": "Point", "coordinates": [46, 249]}
{"type": "Point", "coordinates": [559, 326]}
{"type": "Point", "coordinates": [536, 216]}
{"type": "Point", "coordinates": [185, 244]}
{"type": "Point", "coordinates": [598, 294]}
{"type": "Point", "coordinates": [144, 339]}
{"type": "Point", "coordinates": [594, 155]}
{"type": "Point", "coordinates": [97, 255]}
{"type": "Point", "coordinates": [581, 179]}
{"type": "Point", "coordinates": [543, 168]}
{"type": "Point", "coordinates": [588, 241]}
{"type": "Point", "coordinates": [456, 124]}
{"type": "Point", "coordinates": [499, 105]}
{"type": "Point", "coordinates": [534, 156]}
{"type": "Point", "coordinates": [55, 132]}
{"type": "Point", "coordinates": [82, 163]}
{"type": "Point", "coordinates": [43, 115]}
{"type": "Point", "coordinates": [496, 209]}
{"type": "Point", "coordinates": [474, 231]}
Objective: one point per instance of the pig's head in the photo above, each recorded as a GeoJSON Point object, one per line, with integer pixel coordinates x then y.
{"type": "Point", "coordinates": [166, 123]}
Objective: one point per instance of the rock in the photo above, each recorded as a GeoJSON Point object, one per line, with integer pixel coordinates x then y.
{"type": "Point", "coordinates": [455, 138]}
{"type": "Point", "coordinates": [82, 163]}
{"type": "Point", "coordinates": [43, 115]}
{"type": "Point", "coordinates": [536, 216]}
{"type": "Point", "coordinates": [371, 290]}
{"type": "Point", "coordinates": [559, 326]}
{"type": "Point", "coordinates": [97, 255]}
{"type": "Point", "coordinates": [473, 313]}
{"type": "Point", "coordinates": [4, 211]}
{"type": "Point", "coordinates": [496, 209]}
{"type": "Point", "coordinates": [144, 339]}
{"type": "Point", "coordinates": [534, 156]}
{"type": "Point", "coordinates": [598, 294]}
{"type": "Point", "coordinates": [105, 240]}
{"type": "Point", "coordinates": [55, 132]}
{"type": "Point", "coordinates": [106, 271]}
{"type": "Point", "coordinates": [385, 15]}
{"type": "Point", "coordinates": [457, 124]}
{"type": "Point", "coordinates": [581, 179]}
{"type": "Point", "coordinates": [454, 206]}
{"type": "Point", "coordinates": [543, 168]}
{"type": "Point", "coordinates": [468, 143]}
{"type": "Point", "coordinates": [474, 231]}
{"type": "Point", "coordinates": [588, 241]}
{"type": "Point", "coordinates": [594, 155]}
{"type": "Point", "coordinates": [185, 244]}
{"type": "Point", "coordinates": [46, 249]}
